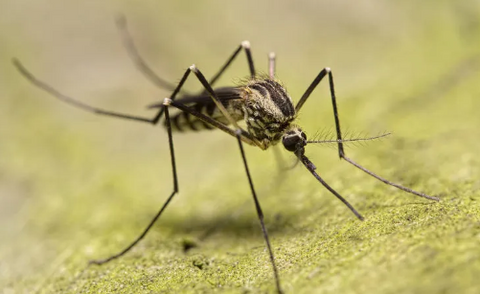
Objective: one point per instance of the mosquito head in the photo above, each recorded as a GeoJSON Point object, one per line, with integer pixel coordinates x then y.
{"type": "Point", "coordinates": [294, 140]}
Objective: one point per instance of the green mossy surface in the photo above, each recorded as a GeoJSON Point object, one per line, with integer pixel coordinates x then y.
{"type": "Point", "coordinates": [74, 186]}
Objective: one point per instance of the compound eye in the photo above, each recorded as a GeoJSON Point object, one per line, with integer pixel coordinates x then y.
{"type": "Point", "coordinates": [290, 142]}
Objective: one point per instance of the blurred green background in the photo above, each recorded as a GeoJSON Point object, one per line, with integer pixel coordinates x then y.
{"type": "Point", "coordinates": [75, 186]}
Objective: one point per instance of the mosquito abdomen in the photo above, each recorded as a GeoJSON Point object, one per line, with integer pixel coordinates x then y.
{"type": "Point", "coordinates": [184, 121]}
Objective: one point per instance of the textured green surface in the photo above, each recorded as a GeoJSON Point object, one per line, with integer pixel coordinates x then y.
{"type": "Point", "coordinates": [74, 186]}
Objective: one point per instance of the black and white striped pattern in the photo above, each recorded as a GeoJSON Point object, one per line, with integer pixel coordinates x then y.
{"type": "Point", "coordinates": [268, 109]}
{"type": "Point", "coordinates": [230, 97]}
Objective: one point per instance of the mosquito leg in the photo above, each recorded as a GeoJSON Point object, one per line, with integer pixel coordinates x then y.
{"type": "Point", "coordinates": [341, 152]}
{"type": "Point", "coordinates": [55, 93]}
{"type": "Point", "coordinates": [137, 59]}
{"type": "Point", "coordinates": [155, 120]}
{"type": "Point", "coordinates": [311, 167]}
{"type": "Point", "coordinates": [244, 45]}
{"type": "Point", "coordinates": [52, 91]}
{"type": "Point", "coordinates": [164, 206]}
{"type": "Point", "coordinates": [152, 76]}
{"type": "Point", "coordinates": [260, 215]}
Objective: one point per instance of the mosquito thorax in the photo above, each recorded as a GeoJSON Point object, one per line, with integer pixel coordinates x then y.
{"type": "Point", "coordinates": [294, 140]}
{"type": "Point", "coordinates": [268, 110]}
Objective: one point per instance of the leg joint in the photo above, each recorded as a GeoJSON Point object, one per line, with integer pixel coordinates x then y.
{"type": "Point", "coordinates": [193, 68]}
{"type": "Point", "coordinates": [246, 44]}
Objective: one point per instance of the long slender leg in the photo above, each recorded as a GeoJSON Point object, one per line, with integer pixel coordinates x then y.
{"type": "Point", "coordinates": [311, 167]}
{"type": "Point", "coordinates": [167, 103]}
{"type": "Point", "coordinates": [260, 216]}
{"type": "Point", "coordinates": [182, 107]}
{"type": "Point", "coordinates": [137, 59]}
{"type": "Point", "coordinates": [154, 78]}
{"type": "Point", "coordinates": [244, 45]}
{"type": "Point", "coordinates": [164, 206]}
{"type": "Point", "coordinates": [174, 172]}
{"type": "Point", "coordinates": [341, 152]}
{"type": "Point", "coordinates": [52, 91]}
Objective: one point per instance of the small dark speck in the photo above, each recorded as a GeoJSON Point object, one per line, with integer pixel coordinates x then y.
{"type": "Point", "coordinates": [188, 244]}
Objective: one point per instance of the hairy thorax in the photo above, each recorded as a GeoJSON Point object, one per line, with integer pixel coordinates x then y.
{"type": "Point", "coordinates": [268, 111]}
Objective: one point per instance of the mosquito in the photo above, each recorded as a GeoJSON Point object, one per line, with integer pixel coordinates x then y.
{"type": "Point", "coordinates": [262, 103]}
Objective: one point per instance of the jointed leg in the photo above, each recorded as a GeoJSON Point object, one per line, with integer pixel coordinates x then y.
{"type": "Point", "coordinates": [52, 91]}
{"type": "Point", "coordinates": [137, 59]}
{"type": "Point", "coordinates": [167, 104]}
{"type": "Point", "coordinates": [154, 78]}
{"type": "Point", "coordinates": [244, 45]}
{"type": "Point", "coordinates": [341, 152]}
{"type": "Point", "coordinates": [174, 171]}
{"type": "Point", "coordinates": [164, 206]}
{"type": "Point", "coordinates": [260, 216]}
{"type": "Point", "coordinates": [49, 89]}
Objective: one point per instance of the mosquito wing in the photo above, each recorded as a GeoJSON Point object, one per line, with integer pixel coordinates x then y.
{"type": "Point", "coordinates": [230, 97]}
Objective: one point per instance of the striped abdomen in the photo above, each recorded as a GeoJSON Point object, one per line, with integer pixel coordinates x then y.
{"type": "Point", "coordinates": [230, 98]}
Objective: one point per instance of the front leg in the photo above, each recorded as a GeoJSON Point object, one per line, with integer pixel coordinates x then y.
{"type": "Point", "coordinates": [341, 152]}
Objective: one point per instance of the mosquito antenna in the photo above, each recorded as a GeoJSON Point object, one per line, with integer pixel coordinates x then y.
{"type": "Point", "coordinates": [351, 139]}
{"type": "Point", "coordinates": [311, 168]}
{"type": "Point", "coordinates": [139, 62]}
